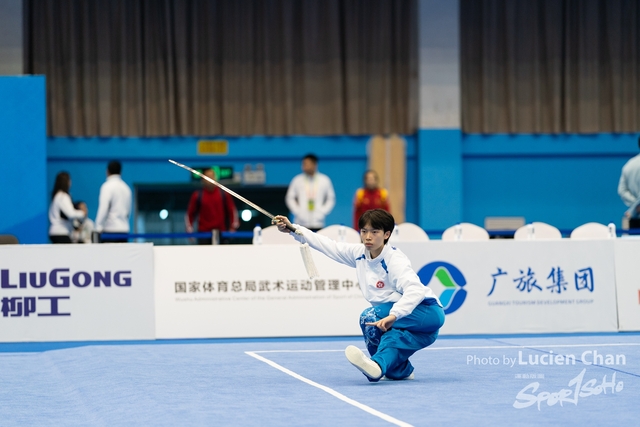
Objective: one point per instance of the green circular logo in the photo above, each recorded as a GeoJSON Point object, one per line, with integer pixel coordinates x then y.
{"type": "Point", "coordinates": [451, 279]}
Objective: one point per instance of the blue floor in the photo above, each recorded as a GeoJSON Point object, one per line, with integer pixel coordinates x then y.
{"type": "Point", "coordinates": [459, 381]}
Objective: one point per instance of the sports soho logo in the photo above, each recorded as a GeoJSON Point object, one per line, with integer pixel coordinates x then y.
{"type": "Point", "coordinates": [451, 279]}
{"type": "Point", "coordinates": [578, 388]}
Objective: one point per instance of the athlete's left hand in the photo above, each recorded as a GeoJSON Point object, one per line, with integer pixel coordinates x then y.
{"type": "Point", "coordinates": [384, 324]}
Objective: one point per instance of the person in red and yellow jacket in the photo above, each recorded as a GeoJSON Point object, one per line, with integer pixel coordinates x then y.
{"type": "Point", "coordinates": [369, 197]}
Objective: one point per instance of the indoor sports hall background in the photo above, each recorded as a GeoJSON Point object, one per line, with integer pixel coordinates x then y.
{"type": "Point", "coordinates": [469, 110]}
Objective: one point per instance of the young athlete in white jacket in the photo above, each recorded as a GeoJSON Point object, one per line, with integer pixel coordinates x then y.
{"type": "Point", "coordinates": [405, 316]}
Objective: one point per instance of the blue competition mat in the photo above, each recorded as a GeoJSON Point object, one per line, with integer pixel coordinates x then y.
{"type": "Point", "coordinates": [507, 380]}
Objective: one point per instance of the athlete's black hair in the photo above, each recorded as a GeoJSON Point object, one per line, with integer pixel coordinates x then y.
{"type": "Point", "coordinates": [378, 219]}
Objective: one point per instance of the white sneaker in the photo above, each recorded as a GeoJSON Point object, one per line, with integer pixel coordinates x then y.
{"type": "Point", "coordinates": [410, 377]}
{"type": "Point", "coordinates": [362, 362]}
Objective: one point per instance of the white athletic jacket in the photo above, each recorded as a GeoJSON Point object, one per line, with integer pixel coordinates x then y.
{"type": "Point", "coordinates": [114, 206]}
{"type": "Point", "coordinates": [387, 278]}
{"type": "Point", "coordinates": [61, 204]}
{"type": "Point", "coordinates": [301, 190]}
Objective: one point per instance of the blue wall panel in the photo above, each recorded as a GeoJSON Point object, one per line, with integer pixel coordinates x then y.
{"type": "Point", "coordinates": [439, 178]}
{"type": "Point", "coordinates": [23, 151]}
{"type": "Point", "coordinates": [144, 160]}
{"type": "Point", "coordinates": [565, 180]}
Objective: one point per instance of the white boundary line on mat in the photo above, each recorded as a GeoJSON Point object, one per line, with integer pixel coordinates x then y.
{"type": "Point", "coordinates": [384, 416]}
{"type": "Point", "coordinates": [330, 390]}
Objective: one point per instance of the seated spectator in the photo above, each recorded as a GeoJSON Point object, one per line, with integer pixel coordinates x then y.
{"type": "Point", "coordinates": [82, 230]}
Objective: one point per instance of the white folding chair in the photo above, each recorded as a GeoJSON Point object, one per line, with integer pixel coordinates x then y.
{"type": "Point", "coordinates": [272, 236]}
{"type": "Point", "coordinates": [594, 231]}
{"type": "Point", "coordinates": [537, 231]}
{"type": "Point", "coordinates": [408, 232]}
{"type": "Point", "coordinates": [465, 231]}
{"type": "Point", "coordinates": [341, 233]}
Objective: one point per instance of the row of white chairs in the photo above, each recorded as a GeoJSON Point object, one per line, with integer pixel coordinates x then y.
{"type": "Point", "coordinates": [533, 231]}
{"type": "Point", "coordinates": [340, 233]}
{"type": "Point", "coordinates": [408, 232]}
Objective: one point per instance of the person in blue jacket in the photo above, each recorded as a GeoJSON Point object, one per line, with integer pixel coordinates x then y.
{"type": "Point", "coordinates": [405, 315]}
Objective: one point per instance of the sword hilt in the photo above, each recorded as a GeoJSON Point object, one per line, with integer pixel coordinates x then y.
{"type": "Point", "coordinates": [289, 227]}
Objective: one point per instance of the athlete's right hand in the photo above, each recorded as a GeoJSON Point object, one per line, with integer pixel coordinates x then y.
{"type": "Point", "coordinates": [282, 222]}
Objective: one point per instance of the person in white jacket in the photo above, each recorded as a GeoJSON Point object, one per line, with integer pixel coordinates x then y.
{"type": "Point", "coordinates": [310, 196]}
{"type": "Point", "coordinates": [61, 210]}
{"type": "Point", "coordinates": [114, 207]}
{"type": "Point", "coordinates": [405, 315]}
{"type": "Point", "coordinates": [629, 189]}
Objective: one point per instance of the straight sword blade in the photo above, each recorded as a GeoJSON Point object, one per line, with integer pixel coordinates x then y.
{"type": "Point", "coordinates": [222, 187]}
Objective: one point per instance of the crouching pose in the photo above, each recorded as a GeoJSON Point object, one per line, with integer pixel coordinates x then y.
{"type": "Point", "coordinates": [405, 316]}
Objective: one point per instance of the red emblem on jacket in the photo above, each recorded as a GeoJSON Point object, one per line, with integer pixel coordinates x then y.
{"type": "Point", "coordinates": [380, 284]}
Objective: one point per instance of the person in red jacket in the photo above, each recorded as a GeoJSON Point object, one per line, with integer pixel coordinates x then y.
{"type": "Point", "coordinates": [369, 197]}
{"type": "Point", "coordinates": [213, 208]}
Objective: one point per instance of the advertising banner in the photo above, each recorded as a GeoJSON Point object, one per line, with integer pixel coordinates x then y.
{"type": "Point", "coordinates": [506, 286]}
{"type": "Point", "coordinates": [628, 283]}
{"type": "Point", "coordinates": [76, 292]}
{"type": "Point", "coordinates": [252, 291]}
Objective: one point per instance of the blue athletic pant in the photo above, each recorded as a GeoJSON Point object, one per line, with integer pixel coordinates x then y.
{"type": "Point", "coordinates": [392, 349]}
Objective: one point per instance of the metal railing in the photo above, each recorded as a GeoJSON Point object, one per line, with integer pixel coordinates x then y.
{"type": "Point", "coordinates": [248, 235]}
{"type": "Point", "coordinates": [214, 235]}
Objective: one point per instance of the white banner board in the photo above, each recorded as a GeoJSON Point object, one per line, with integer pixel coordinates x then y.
{"type": "Point", "coordinates": [506, 286]}
{"type": "Point", "coordinates": [252, 291]}
{"type": "Point", "coordinates": [628, 283]}
{"type": "Point", "coordinates": [76, 292]}
{"type": "Point", "coordinates": [107, 292]}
